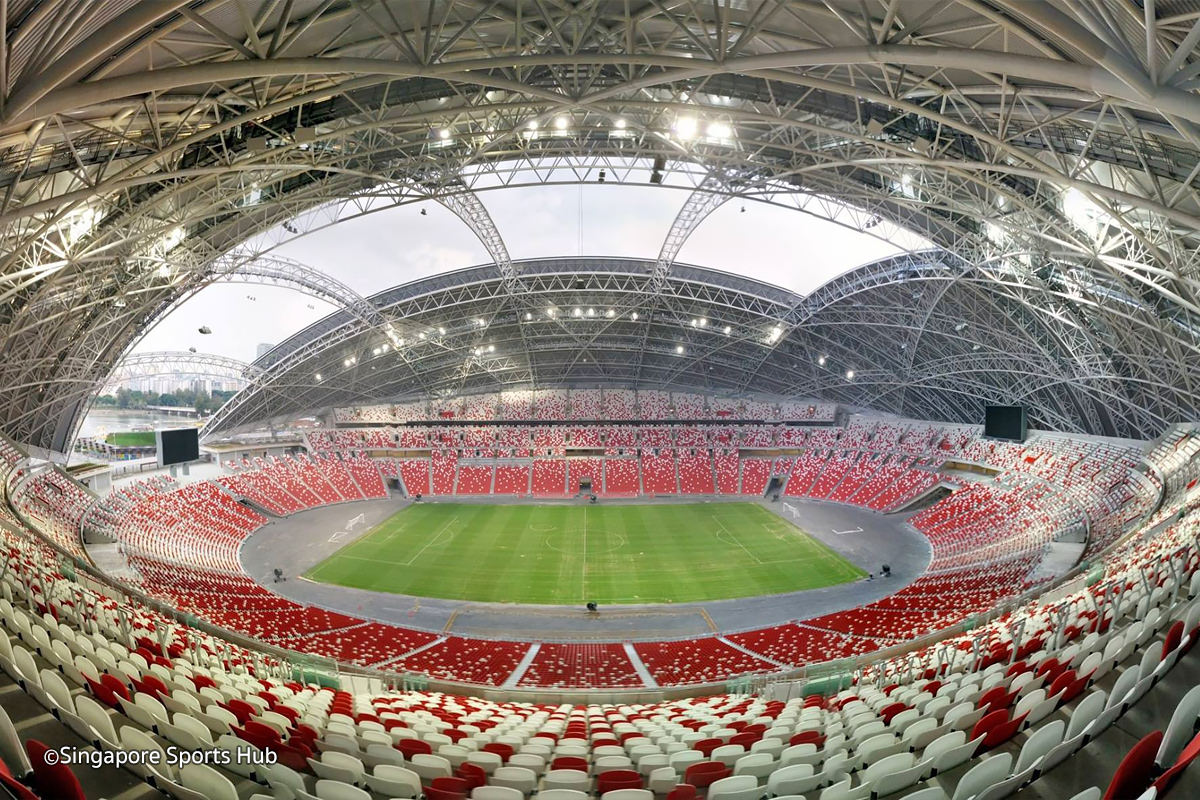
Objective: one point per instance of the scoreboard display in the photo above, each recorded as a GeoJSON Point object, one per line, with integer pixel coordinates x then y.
{"type": "Point", "coordinates": [1005, 422]}
{"type": "Point", "coordinates": [177, 445]}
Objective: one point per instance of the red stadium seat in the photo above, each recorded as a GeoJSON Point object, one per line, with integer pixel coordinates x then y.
{"type": "Point", "coordinates": [704, 773]}
{"type": "Point", "coordinates": [615, 779]}
{"type": "Point", "coordinates": [682, 791]}
{"type": "Point", "coordinates": [1136, 769]}
{"type": "Point", "coordinates": [55, 780]}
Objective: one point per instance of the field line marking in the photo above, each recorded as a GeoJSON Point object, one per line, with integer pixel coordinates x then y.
{"type": "Point", "coordinates": [436, 536]}
{"type": "Point", "coordinates": [583, 577]}
{"type": "Point", "coordinates": [735, 539]}
{"type": "Point", "coordinates": [374, 559]}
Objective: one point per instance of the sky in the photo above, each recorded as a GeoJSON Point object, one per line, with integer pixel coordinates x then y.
{"type": "Point", "coordinates": [393, 246]}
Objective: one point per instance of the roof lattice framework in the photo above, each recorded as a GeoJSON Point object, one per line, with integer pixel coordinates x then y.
{"type": "Point", "coordinates": [1053, 148]}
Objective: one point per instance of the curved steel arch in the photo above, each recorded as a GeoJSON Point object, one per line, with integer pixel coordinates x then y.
{"type": "Point", "coordinates": [171, 362]}
{"type": "Point", "coordinates": [274, 270]}
{"type": "Point", "coordinates": [980, 339]}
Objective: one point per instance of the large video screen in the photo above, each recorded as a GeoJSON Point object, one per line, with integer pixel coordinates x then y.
{"type": "Point", "coordinates": [176, 446]}
{"type": "Point", "coordinates": [1005, 422]}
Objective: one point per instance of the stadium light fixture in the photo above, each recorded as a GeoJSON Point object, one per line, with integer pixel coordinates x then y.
{"type": "Point", "coordinates": [491, 348]}
{"type": "Point", "coordinates": [1083, 213]}
{"type": "Point", "coordinates": [444, 134]}
{"type": "Point", "coordinates": [318, 377]}
{"type": "Point", "coordinates": [479, 321]}
{"type": "Point", "coordinates": [81, 222]}
{"type": "Point", "coordinates": [551, 311]}
{"type": "Point", "coordinates": [532, 125]}
{"type": "Point", "coordinates": [609, 313]}
{"type": "Point", "coordinates": [620, 123]}
{"type": "Point", "coordinates": [721, 131]}
{"type": "Point", "coordinates": [849, 374]}
{"type": "Point", "coordinates": [685, 127]}
{"type": "Point", "coordinates": [442, 331]}
{"type": "Point", "coordinates": [591, 312]}
{"type": "Point", "coordinates": [775, 335]}
{"type": "Point", "coordinates": [528, 316]}
{"type": "Point", "coordinates": [578, 312]}
{"type": "Point", "coordinates": [561, 122]}
{"type": "Point", "coordinates": [679, 349]}
{"type": "Point", "coordinates": [995, 234]}
{"type": "Point", "coordinates": [821, 361]}
{"type": "Point", "coordinates": [422, 334]}
{"type": "Point", "coordinates": [375, 351]}
{"type": "Point", "coordinates": [728, 329]}
{"type": "Point", "coordinates": [634, 316]}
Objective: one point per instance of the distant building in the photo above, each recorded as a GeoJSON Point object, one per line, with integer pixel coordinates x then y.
{"type": "Point", "coordinates": [263, 348]}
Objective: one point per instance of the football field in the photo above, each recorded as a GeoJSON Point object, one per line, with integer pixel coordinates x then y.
{"type": "Point", "coordinates": [567, 555]}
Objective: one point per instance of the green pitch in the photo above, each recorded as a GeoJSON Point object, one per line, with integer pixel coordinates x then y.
{"type": "Point", "coordinates": [567, 555]}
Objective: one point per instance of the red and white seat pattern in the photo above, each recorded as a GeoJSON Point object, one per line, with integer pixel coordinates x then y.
{"type": "Point", "coordinates": [805, 471]}
{"type": "Point", "coordinates": [1068, 643]}
{"type": "Point", "coordinates": [443, 471]}
{"type": "Point", "coordinates": [658, 474]}
{"type": "Point", "coordinates": [550, 404]}
{"type": "Point", "coordinates": [286, 485]}
{"type": "Point", "coordinates": [725, 466]}
{"type": "Point", "coordinates": [654, 404]}
{"type": "Point", "coordinates": [709, 660]}
{"type": "Point", "coordinates": [516, 404]}
{"type": "Point", "coordinates": [688, 405]}
{"type": "Point", "coordinates": [584, 404]}
{"type": "Point", "coordinates": [986, 540]}
{"type": "Point", "coordinates": [1042, 663]}
{"type": "Point", "coordinates": [908, 485]}
{"type": "Point", "coordinates": [584, 469]}
{"type": "Point", "coordinates": [512, 479]}
{"type": "Point", "coordinates": [549, 477]}
{"type": "Point", "coordinates": [569, 666]}
{"type": "Point", "coordinates": [414, 473]}
{"type": "Point", "coordinates": [835, 468]}
{"type": "Point", "coordinates": [56, 502]}
{"type": "Point", "coordinates": [617, 404]}
{"type": "Point", "coordinates": [622, 477]}
{"type": "Point", "coordinates": [553, 405]}
{"type": "Point", "coordinates": [483, 661]}
{"type": "Point", "coordinates": [696, 472]}
{"type": "Point", "coordinates": [756, 472]}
